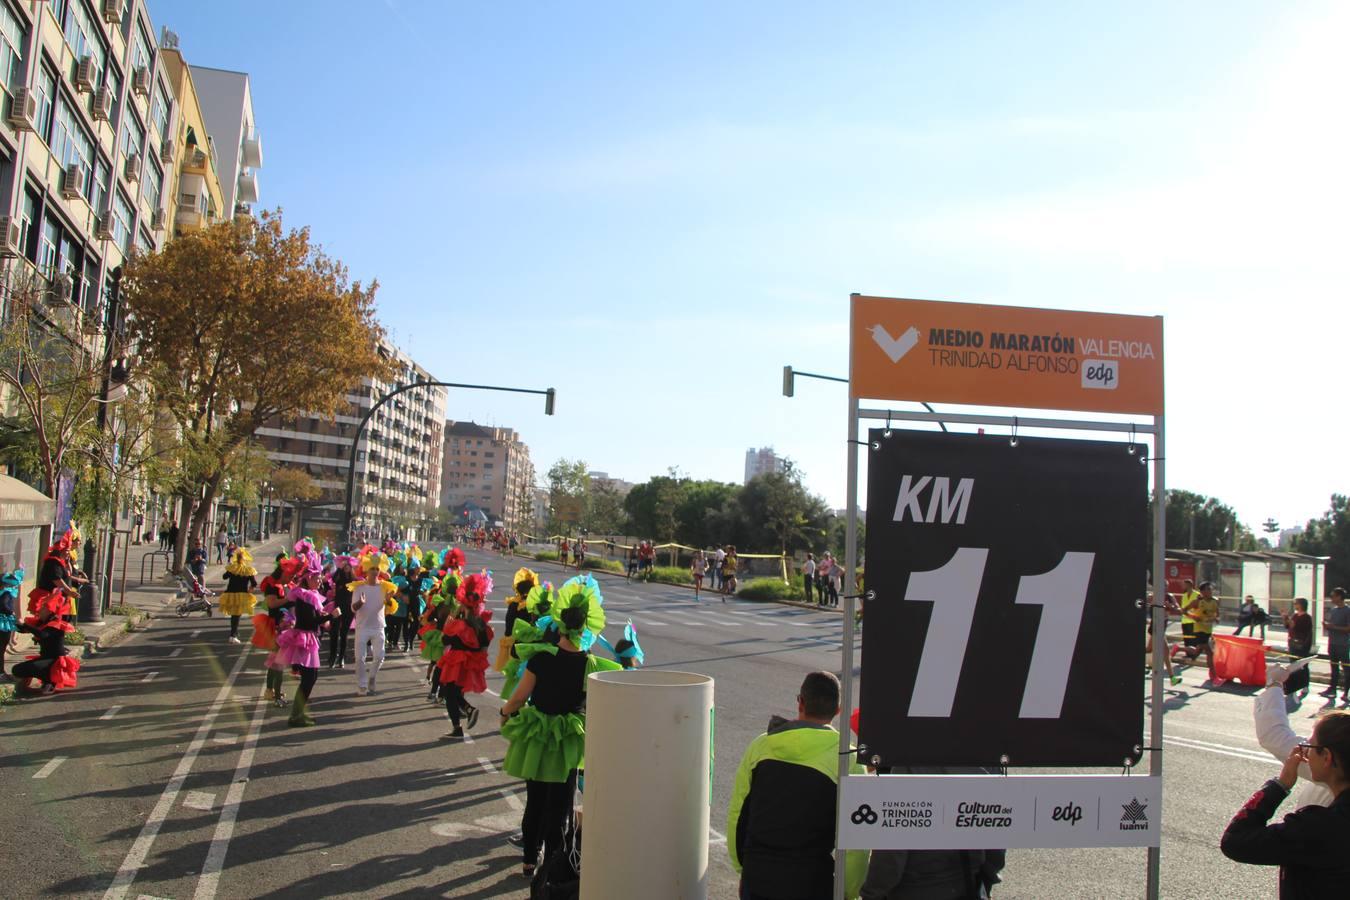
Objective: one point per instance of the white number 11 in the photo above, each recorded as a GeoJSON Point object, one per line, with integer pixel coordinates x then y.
{"type": "Point", "coordinates": [954, 589]}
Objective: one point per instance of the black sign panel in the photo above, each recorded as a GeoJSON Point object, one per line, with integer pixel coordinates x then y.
{"type": "Point", "coordinates": [1006, 620]}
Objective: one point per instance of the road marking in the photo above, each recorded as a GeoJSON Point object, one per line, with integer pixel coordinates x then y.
{"type": "Point", "coordinates": [1220, 749]}
{"type": "Point", "coordinates": [140, 849]}
{"type": "Point", "coordinates": [224, 739]}
{"type": "Point", "coordinates": [176, 653]}
{"type": "Point", "coordinates": [149, 676]}
{"type": "Point", "coordinates": [200, 800]}
{"type": "Point", "coordinates": [112, 711]}
{"type": "Point", "coordinates": [720, 621]}
{"type": "Point", "coordinates": [507, 794]}
{"type": "Point", "coordinates": [209, 881]}
{"type": "Point", "coordinates": [717, 836]}
{"type": "Point", "coordinates": [195, 633]}
{"type": "Point", "coordinates": [652, 623]}
{"type": "Point", "coordinates": [50, 767]}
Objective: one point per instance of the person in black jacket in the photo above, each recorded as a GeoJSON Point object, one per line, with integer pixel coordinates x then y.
{"type": "Point", "coordinates": [1309, 845]}
{"type": "Point", "coordinates": [341, 621]}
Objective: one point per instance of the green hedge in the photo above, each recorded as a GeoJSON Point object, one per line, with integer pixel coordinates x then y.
{"type": "Point", "coordinates": [75, 638]}
{"type": "Point", "coordinates": [770, 589]}
{"type": "Point", "coordinates": [603, 565]}
{"type": "Point", "coordinates": [547, 556]}
{"type": "Point", "coordinates": [672, 575]}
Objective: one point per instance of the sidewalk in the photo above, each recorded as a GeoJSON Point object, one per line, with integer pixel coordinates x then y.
{"type": "Point", "coordinates": [154, 598]}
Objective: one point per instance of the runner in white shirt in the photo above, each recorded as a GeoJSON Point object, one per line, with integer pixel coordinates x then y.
{"type": "Point", "coordinates": [368, 617]}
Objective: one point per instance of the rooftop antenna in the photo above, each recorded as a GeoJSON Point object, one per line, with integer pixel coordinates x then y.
{"type": "Point", "coordinates": [168, 39]}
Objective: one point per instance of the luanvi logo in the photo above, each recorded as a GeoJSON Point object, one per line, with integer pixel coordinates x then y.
{"type": "Point", "coordinates": [895, 348]}
{"type": "Point", "coordinates": [864, 815]}
{"type": "Point", "coordinates": [1135, 818]}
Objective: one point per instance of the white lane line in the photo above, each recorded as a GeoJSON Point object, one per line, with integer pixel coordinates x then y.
{"type": "Point", "coordinates": [200, 800]}
{"type": "Point", "coordinates": [717, 836]}
{"type": "Point", "coordinates": [149, 676]}
{"type": "Point", "coordinates": [720, 621]}
{"type": "Point", "coordinates": [195, 633]}
{"type": "Point", "coordinates": [1220, 750]}
{"type": "Point", "coordinates": [110, 714]}
{"type": "Point", "coordinates": [176, 653]}
{"type": "Point", "coordinates": [209, 881]}
{"type": "Point", "coordinates": [507, 794]}
{"type": "Point", "coordinates": [50, 767]}
{"type": "Point", "coordinates": [224, 738]}
{"type": "Point", "coordinates": [140, 849]}
{"type": "Point", "coordinates": [653, 623]}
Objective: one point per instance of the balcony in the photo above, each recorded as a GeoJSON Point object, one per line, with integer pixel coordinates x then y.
{"type": "Point", "coordinates": [195, 160]}
{"type": "Point", "coordinates": [251, 152]}
{"type": "Point", "coordinates": [248, 187]}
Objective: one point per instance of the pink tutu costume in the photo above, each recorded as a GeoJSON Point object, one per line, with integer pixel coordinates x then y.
{"type": "Point", "coordinates": [298, 646]}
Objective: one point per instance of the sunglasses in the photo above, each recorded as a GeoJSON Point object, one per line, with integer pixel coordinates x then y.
{"type": "Point", "coordinates": [1306, 747]}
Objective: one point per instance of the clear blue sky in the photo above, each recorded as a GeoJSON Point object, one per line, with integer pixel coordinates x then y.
{"type": "Point", "coordinates": [654, 207]}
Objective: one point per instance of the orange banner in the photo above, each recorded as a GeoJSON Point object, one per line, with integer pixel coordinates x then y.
{"type": "Point", "coordinates": [1005, 356]}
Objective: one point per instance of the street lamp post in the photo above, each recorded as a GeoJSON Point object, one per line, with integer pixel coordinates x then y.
{"type": "Point", "coordinates": [549, 395]}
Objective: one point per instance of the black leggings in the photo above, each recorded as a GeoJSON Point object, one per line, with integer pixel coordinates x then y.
{"type": "Point", "coordinates": [409, 632]}
{"type": "Point", "coordinates": [337, 637]}
{"type": "Point", "coordinates": [234, 626]}
{"type": "Point", "coordinates": [456, 704]}
{"type": "Point", "coordinates": [307, 678]}
{"type": "Point", "coordinates": [548, 805]}
{"type": "Point", "coordinates": [41, 669]}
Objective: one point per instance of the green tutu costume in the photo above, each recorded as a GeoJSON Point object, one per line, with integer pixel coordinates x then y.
{"type": "Point", "coordinates": [547, 747]}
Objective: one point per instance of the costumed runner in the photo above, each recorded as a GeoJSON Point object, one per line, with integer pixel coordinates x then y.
{"type": "Point", "coordinates": [56, 583]}
{"type": "Point", "coordinates": [464, 661]}
{"type": "Point", "coordinates": [442, 606]}
{"type": "Point", "coordinates": [298, 646]}
{"type": "Point", "coordinates": [240, 580]}
{"type": "Point", "coordinates": [544, 719]}
{"type": "Point", "coordinates": [372, 600]}
{"type": "Point", "coordinates": [627, 652]}
{"type": "Point", "coordinates": [266, 626]}
{"type": "Point", "coordinates": [53, 665]}
{"type": "Point", "coordinates": [524, 582]}
{"type": "Point", "coordinates": [9, 607]}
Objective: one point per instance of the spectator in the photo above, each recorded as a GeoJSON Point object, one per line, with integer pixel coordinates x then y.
{"type": "Point", "coordinates": [718, 558]}
{"type": "Point", "coordinates": [164, 536]}
{"type": "Point", "coordinates": [1299, 625]}
{"type": "Point", "coordinates": [632, 560]}
{"type": "Point", "coordinates": [1336, 623]}
{"type": "Point", "coordinates": [1308, 845]}
{"type": "Point", "coordinates": [808, 575]}
{"type": "Point", "coordinates": [222, 538]}
{"type": "Point", "coordinates": [781, 820]}
{"type": "Point", "coordinates": [196, 561]}
{"type": "Point", "coordinates": [173, 536]}
{"type": "Point", "coordinates": [1251, 615]}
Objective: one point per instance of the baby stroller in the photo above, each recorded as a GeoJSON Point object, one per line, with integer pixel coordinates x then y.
{"type": "Point", "coordinates": [193, 596]}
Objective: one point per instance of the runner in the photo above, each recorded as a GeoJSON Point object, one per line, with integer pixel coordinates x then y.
{"type": "Point", "coordinates": [698, 567]}
{"type": "Point", "coordinates": [729, 572]}
{"type": "Point", "coordinates": [1204, 613]}
{"type": "Point", "coordinates": [238, 600]}
{"type": "Point", "coordinates": [438, 612]}
{"type": "Point", "coordinates": [1170, 608]}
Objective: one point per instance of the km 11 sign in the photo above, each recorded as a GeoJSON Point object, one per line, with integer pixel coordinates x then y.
{"type": "Point", "coordinates": [1005, 619]}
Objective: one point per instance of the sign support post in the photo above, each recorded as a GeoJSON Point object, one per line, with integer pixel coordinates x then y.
{"type": "Point", "coordinates": [850, 604]}
{"type": "Point", "coordinates": [1155, 739]}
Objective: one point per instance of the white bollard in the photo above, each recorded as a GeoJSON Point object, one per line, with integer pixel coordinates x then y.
{"type": "Point", "coordinates": [648, 784]}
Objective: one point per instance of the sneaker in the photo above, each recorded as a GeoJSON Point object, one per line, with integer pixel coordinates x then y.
{"type": "Point", "coordinates": [517, 840]}
{"type": "Point", "coordinates": [235, 640]}
{"type": "Point", "coordinates": [342, 664]}
{"type": "Point", "coordinates": [472, 719]}
{"type": "Point", "coordinates": [361, 692]}
{"type": "Point", "coordinates": [49, 689]}
{"type": "Point", "coordinates": [281, 701]}
{"type": "Point", "coordinates": [431, 696]}
{"type": "Point", "coordinates": [1176, 680]}
{"type": "Point", "coordinates": [455, 734]}
{"type": "Point", "coordinates": [1329, 692]}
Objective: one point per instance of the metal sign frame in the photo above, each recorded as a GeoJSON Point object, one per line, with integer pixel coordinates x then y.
{"type": "Point", "coordinates": [1154, 427]}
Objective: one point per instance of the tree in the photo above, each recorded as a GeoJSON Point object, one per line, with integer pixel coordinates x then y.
{"type": "Point", "coordinates": [700, 519]}
{"type": "Point", "coordinates": [293, 485]}
{"type": "Point", "coordinates": [53, 382]}
{"type": "Point", "coordinates": [1197, 522]}
{"type": "Point", "coordinates": [788, 517]}
{"type": "Point", "coordinates": [1329, 536]}
{"type": "Point", "coordinates": [604, 512]}
{"type": "Point", "coordinates": [651, 506]}
{"type": "Point", "coordinates": [239, 324]}
{"type": "Point", "coordinates": [568, 485]}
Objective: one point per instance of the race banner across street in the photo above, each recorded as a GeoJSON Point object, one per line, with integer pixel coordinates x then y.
{"type": "Point", "coordinates": [939, 812]}
{"type": "Point", "coordinates": [1004, 623]}
{"type": "Point", "coordinates": [981, 355]}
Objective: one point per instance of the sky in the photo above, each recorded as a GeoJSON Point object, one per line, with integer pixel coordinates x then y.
{"type": "Point", "coordinates": [654, 207]}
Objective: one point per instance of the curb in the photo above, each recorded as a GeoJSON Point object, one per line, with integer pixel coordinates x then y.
{"type": "Point", "coordinates": [106, 639]}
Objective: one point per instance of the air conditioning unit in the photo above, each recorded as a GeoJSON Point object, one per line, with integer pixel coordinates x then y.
{"type": "Point", "coordinates": [113, 11]}
{"type": "Point", "coordinates": [72, 182]}
{"type": "Point", "coordinates": [166, 150]}
{"type": "Point", "coordinates": [10, 237]}
{"type": "Point", "coordinates": [86, 75]}
{"type": "Point", "coordinates": [140, 81]}
{"type": "Point", "coordinates": [103, 226]}
{"type": "Point", "coordinates": [132, 172]}
{"type": "Point", "coordinates": [159, 220]}
{"type": "Point", "coordinates": [62, 287]}
{"type": "Point", "coordinates": [101, 109]}
{"type": "Point", "coordinates": [23, 110]}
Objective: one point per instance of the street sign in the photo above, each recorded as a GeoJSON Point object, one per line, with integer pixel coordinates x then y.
{"type": "Point", "coordinates": [1004, 620]}
{"type": "Point", "coordinates": [983, 355]}
{"type": "Point", "coordinates": [980, 812]}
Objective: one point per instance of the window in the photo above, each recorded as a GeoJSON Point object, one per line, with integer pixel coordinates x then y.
{"type": "Point", "coordinates": [122, 217]}
{"type": "Point", "coordinates": [44, 91]}
{"type": "Point", "coordinates": [70, 261]}
{"type": "Point", "coordinates": [159, 111]}
{"type": "Point", "coordinates": [144, 243]}
{"type": "Point", "coordinates": [133, 135]}
{"type": "Point", "coordinates": [490, 454]}
{"type": "Point", "coordinates": [12, 38]}
{"type": "Point", "coordinates": [71, 144]}
{"type": "Point", "coordinates": [49, 241]}
{"type": "Point", "coordinates": [487, 466]}
{"type": "Point", "coordinates": [153, 184]}
{"type": "Point", "coordinates": [102, 182]}
{"type": "Point", "coordinates": [84, 35]}
{"type": "Point", "coordinates": [112, 80]}
{"type": "Point", "coordinates": [140, 50]}
{"type": "Point", "coordinates": [28, 238]}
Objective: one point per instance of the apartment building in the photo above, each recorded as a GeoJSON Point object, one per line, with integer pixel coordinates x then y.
{"type": "Point", "coordinates": [762, 461]}
{"type": "Point", "coordinates": [196, 198]}
{"type": "Point", "coordinates": [491, 467]}
{"type": "Point", "coordinates": [398, 458]}
{"type": "Point", "coordinates": [227, 109]}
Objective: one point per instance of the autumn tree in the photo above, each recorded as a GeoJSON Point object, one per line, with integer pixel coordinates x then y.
{"type": "Point", "coordinates": [568, 486]}
{"type": "Point", "coordinates": [240, 324]}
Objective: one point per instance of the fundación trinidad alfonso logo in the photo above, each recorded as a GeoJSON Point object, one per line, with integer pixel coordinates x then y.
{"type": "Point", "coordinates": [864, 815]}
{"type": "Point", "coordinates": [895, 348]}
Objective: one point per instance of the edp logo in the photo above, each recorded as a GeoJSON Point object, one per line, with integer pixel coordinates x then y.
{"type": "Point", "coordinates": [1101, 374]}
{"type": "Point", "coordinates": [1069, 812]}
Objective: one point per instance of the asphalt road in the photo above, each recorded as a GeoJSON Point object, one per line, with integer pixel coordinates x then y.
{"type": "Point", "coordinates": [165, 776]}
